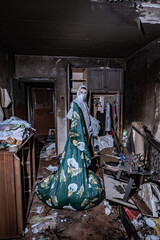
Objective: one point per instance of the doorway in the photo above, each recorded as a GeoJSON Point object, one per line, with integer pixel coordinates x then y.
{"type": "Point", "coordinates": [41, 108]}
{"type": "Point", "coordinates": [34, 101]}
{"type": "Point", "coordinates": [41, 114]}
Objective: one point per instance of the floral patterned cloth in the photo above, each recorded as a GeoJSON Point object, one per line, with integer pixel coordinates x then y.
{"type": "Point", "coordinates": [73, 186]}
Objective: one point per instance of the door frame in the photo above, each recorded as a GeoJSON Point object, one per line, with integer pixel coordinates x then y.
{"type": "Point", "coordinates": [49, 81]}
{"type": "Point", "coordinates": [120, 108]}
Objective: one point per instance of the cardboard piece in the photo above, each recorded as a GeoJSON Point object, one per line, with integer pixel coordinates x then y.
{"type": "Point", "coordinates": [115, 190]}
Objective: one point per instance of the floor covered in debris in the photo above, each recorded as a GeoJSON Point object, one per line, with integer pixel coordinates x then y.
{"type": "Point", "coordinates": [46, 223]}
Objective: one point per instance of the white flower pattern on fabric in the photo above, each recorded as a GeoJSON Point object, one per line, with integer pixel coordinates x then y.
{"type": "Point", "coordinates": [81, 146]}
{"type": "Point", "coordinates": [72, 188]}
{"type": "Point", "coordinates": [49, 202]}
{"type": "Point", "coordinates": [73, 167]}
{"type": "Point", "coordinates": [92, 179]}
{"type": "Point", "coordinates": [72, 163]}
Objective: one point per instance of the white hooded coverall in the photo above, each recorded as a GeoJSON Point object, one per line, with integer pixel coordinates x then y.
{"type": "Point", "coordinates": [92, 124]}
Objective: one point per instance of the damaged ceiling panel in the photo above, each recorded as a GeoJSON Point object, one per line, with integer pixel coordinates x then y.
{"type": "Point", "coordinates": [84, 28]}
{"type": "Point", "coordinates": [149, 12]}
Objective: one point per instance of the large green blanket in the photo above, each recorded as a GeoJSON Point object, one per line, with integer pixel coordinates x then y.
{"type": "Point", "coordinates": [73, 186]}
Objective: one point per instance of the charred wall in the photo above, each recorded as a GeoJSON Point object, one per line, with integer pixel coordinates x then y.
{"type": "Point", "coordinates": [55, 67]}
{"type": "Point", "coordinates": [7, 67]}
{"type": "Point", "coordinates": [142, 72]}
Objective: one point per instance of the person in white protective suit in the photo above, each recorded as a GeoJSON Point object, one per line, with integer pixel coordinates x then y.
{"type": "Point", "coordinates": [92, 124]}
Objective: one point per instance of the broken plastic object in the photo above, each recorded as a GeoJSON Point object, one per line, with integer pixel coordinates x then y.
{"type": "Point", "coordinates": [150, 222]}
{"type": "Point", "coordinates": [108, 208]}
{"type": "Point", "coordinates": [107, 211]}
{"type": "Point", "coordinates": [121, 160]}
{"type": "Point", "coordinates": [121, 157]}
{"type": "Point", "coordinates": [35, 230]}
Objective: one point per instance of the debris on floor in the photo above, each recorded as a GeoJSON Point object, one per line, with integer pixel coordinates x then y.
{"type": "Point", "coordinates": [108, 207]}
{"type": "Point", "coordinates": [56, 224]}
{"type": "Point", "coordinates": [51, 168]}
{"type": "Point", "coordinates": [146, 227]}
{"type": "Point", "coordinates": [101, 222]}
{"type": "Point", "coordinates": [48, 151]}
{"type": "Point", "coordinates": [65, 224]}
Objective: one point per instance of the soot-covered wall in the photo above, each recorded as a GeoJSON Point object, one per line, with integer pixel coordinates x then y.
{"type": "Point", "coordinates": [7, 66]}
{"type": "Point", "coordinates": [142, 71]}
{"type": "Point", "coordinates": [54, 67]}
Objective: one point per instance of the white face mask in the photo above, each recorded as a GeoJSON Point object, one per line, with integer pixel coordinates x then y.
{"type": "Point", "coordinates": [82, 97]}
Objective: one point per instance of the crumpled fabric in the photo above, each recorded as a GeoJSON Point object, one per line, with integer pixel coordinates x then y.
{"type": "Point", "coordinates": [14, 127]}
{"type": "Point", "coordinates": [105, 142]}
{"type": "Point", "coordinates": [73, 187]}
{"type": "Point", "coordinates": [16, 120]}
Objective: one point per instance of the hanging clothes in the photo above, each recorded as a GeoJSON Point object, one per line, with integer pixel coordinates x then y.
{"type": "Point", "coordinates": [73, 186]}
{"type": "Point", "coordinates": [101, 104]}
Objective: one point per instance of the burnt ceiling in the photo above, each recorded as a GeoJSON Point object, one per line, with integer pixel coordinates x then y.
{"type": "Point", "coordinates": [83, 28]}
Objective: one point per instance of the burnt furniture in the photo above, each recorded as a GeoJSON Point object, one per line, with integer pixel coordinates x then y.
{"type": "Point", "coordinates": [17, 179]}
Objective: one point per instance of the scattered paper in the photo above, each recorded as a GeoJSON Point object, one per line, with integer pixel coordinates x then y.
{"type": "Point", "coordinates": [51, 146]}
{"type": "Point", "coordinates": [52, 169]}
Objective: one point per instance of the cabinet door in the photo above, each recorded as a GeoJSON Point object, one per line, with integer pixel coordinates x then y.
{"type": "Point", "coordinates": [95, 78]}
{"type": "Point", "coordinates": [105, 79]}
{"type": "Point", "coordinates": [113, 80]}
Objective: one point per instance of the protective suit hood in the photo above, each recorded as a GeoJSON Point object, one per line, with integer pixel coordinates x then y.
{"type": "Point", "coordinates": [82, 86]}
{"type": "Point", "coordinates": [91, 123]}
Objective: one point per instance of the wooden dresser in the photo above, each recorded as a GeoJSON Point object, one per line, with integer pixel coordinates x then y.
{"type": "Point", "coordinates": [17, 180]}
